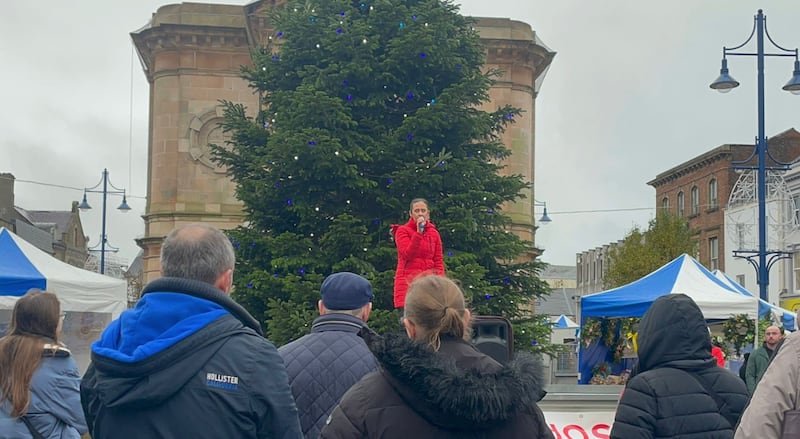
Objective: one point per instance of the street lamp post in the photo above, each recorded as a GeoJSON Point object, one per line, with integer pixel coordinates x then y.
{"type": "Point", "coordinates": [84, 206]}
{"type": "Point", "coordinates": [725, 83]}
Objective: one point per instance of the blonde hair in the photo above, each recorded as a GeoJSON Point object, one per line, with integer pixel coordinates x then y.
{"type": "Point", "coordinates": [435, 306]}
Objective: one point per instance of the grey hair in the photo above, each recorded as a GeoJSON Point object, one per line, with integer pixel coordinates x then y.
{"type": "Point", "coordinates": [417, 200]}
{"type": "Point", "coordinates": [351, 312]}
{"type": "Point", "coordinates": [198, 252]}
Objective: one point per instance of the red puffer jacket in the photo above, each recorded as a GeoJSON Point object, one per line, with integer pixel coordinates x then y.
{"type": "Point", "coordinates": [417, 253]}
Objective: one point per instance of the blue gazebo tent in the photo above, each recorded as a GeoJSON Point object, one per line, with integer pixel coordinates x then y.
{"type": "Point", "coordinates": [683, 275]}
{"type": "Point", "coordinates": [563, 322]}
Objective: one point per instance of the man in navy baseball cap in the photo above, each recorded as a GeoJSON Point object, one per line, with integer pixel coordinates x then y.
{"type": "Point", "coordinates": [346, 291]}
{"type": "Point", "coordinates": [327, 362]}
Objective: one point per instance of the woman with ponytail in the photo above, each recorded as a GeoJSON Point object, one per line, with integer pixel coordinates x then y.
{"type": "Point", "coordinates": [39, 381]}
{"type": "Point", "coordinates": [433, 383]}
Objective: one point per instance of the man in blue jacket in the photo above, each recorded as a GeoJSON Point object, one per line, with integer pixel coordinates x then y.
{"type": "Point", "coordinates": [324, 364]}
{"type": "Point", "coordinates": [188, 361]}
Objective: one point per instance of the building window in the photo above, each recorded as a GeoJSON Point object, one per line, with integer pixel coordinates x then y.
{"type": "Point", "coordinates": [665, 204]}
{"type": "Point", "coordinates": [713, 252]}
{"type": "Point", "coordinates": [740, 236]}
{"type": "Point", "coordinates": [796, 260]}
{"type": "Point", "coordinates": [796, 207]}
{"type": "Point", "coordinates": [681, 212]}
{"type": "Point", "coordinates": [740, 280]}
{"type": "Point", "coordinates": [712, 194]}
{"type": "Point", "coordinates": [695, 201]}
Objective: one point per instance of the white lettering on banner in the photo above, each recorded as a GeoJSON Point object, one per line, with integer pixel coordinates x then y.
{"type": "Point", "coordinates": [584, 425]}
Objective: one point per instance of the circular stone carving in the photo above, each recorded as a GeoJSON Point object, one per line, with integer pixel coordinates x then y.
{"type": "Point", "coordinates": [203, 131]}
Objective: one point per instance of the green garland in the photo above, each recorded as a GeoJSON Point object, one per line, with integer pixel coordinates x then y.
{"type": "Point", "coordinates": [605, 330]}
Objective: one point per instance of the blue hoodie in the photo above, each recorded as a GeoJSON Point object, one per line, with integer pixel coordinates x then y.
{"type": "Point", "coordinates": [187, 362]}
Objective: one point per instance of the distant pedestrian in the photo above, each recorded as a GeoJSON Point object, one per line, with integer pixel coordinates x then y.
{"type": "Point", "coordinates": [324, 364]}
{"type": "Point", "coordinates": [39, 380]}
{"type": "Point", "coordinates": [419, 249]}
{"type": "Point", "coordinates": [678, 391]}
{"type": "Point", "coordinates": [777, 394]}
{"type": "Point", "coordinates": [743, 367]}
{"type": "Point", "coordinates": [760, 358]}
{"type": "Point", "coordinates": [188, 361]}
{"type": "Point", "coordinates": [435, 384]}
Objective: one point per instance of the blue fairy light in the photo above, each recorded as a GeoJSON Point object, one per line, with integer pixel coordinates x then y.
{"type": "Point", "coordinates": [449, 253]}
{"type": "Point", "coordinates": [410, 96]}
{"type": "Point", "coordinates": [313, 19]}
{"type": "Point", "coordinates": [402, 25]}
{"type": "Point", "coordinates": [249, 285]}
{"type": "Point", "coordinates": [534, 342]}
{"type": "Point", "coordinates": [376, 221]}
{"type": "Point", "coordinates": [341, 14]}
{"type": "Point", "coordinates": [236, 245]}
{"type": "Point", "coordinates": [276, 185]}
{"type": "Point", "coordinates": [433, 101]}
{"type": "Point", "coordinates": [339, 31]}
{"type": "Point", "coordinates": [279, 35]}
{"type": "Point", "coordinates": [490, 211]}
{"type": "Point", "coordinates": [422, 54]}
{"type": "Point", "coordinates": [275, 275]}
{"type": "Point", "coordinates": [275, 57]}
{"type": "Point", "coordinates": [253, 244]}
{"type": "Point", "coordinates": [302, 271]}
{"type": "Point", "coordinates": [349, 98]}
{"type": "Point", "coordinates": [312, 143]}
{"type": "Point", "coordinates": [409, 137]}
{"type": "Point", "coordinates": [441, 164]}
{"type": "Point", "coordinates": [414, 17]}
{"type": "Point", "coordinates": [389, 181]}
{"type": "Point", "coordinates": [288, 202]}
{"type": "Point", "coordinates": [506, 281]}
{"type": "Point", "coordinates": [363, 6]}
{"type": "Point", "coordinates": [487, 296]}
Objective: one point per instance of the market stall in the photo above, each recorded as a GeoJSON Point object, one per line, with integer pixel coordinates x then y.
{"type": "Point", "coordinates": [90, 300]}
{"type": "Point", "coordinates": [609, 344]}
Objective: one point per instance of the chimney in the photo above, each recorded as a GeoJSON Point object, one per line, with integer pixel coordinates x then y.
{"type": "Point", "coordinates": [6, 197]}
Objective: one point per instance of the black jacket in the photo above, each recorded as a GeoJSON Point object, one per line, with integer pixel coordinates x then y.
{"type": "Point", "coordinates": [455, 393]}
{"type": "Point", "coordinates": [187, 362]}
{"type": "Point", "coordinates": [324, 364]}
{"type": "Point", "coordinates": [667, 397]}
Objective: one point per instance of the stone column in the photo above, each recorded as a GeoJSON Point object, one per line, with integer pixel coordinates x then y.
{"type": "Point", "coordinates": [512, 48]}
{"type": "Point", "coordinates": [191, 54]}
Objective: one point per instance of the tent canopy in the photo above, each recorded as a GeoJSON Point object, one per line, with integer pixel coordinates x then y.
{"type": "Point", "coordinates": [563, 322]}
{"type": "Point", "coordinates": [787, 318]}
{"type": "Point", "coordinates": [682, 275]}
{"type": "Point", "coordinates": [23, 266]}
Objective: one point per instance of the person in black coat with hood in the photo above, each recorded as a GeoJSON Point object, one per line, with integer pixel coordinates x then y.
{"type": "Point", "coordinates": [435, 384]}
{"type": "Point", "coordinates": [677, 390]}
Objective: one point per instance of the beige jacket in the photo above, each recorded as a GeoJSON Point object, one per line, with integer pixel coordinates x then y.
{"type": "Point", "coordinates": [777, 392]}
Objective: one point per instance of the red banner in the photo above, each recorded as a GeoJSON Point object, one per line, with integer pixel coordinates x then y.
{"type": "Point", "coordinates": [584, 425]}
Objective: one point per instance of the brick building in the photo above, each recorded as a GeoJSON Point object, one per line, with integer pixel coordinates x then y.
{"type": "Point", "coordinates": [699, 190]}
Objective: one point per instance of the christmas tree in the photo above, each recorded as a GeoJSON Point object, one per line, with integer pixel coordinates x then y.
{"type": "Point", "coordinates": [366, 105]}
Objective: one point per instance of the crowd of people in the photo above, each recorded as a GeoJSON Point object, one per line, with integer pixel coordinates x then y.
{"type": "Point", "coordinates": [188, 361]}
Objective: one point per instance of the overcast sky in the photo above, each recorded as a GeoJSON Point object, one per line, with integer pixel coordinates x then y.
{"type": "Point", "coordinates": [626, 98]}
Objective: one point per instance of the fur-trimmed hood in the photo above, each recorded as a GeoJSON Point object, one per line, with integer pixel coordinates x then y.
{"type": "Point", "coordinates": [459, 388]}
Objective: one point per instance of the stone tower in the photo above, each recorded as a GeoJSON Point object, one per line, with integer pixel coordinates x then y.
{"type": "Point", "coordinates": [191, 54]}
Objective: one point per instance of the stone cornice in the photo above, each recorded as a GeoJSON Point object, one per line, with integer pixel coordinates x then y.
{"type": "Point", "coordinates": [722, 153]}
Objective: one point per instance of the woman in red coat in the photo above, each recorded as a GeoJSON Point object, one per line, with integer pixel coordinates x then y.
{"type": "Point", "coordinates": [419, 249]}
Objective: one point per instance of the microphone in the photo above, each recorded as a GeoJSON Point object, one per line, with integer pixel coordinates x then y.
{"type": "Point", "coordinates": [421, 225]}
